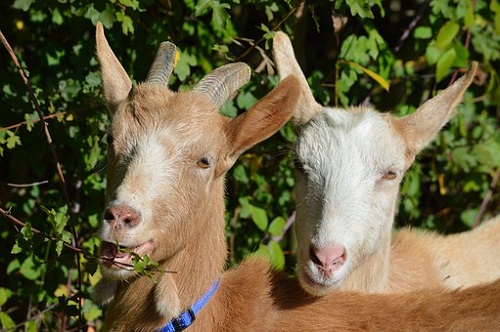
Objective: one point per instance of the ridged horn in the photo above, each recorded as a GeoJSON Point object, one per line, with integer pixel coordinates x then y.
{"type": "Point", "coordinates": [222, 82]}
{"type": "Point", "coordinates": [163, 64]}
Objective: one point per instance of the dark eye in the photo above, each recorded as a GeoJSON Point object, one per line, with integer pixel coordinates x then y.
{"type": "Point", "coordinates": [204, 162]}
{"type": "Point", "coordinates": [389, 175]}
{"type": "Point", "coordinates": [298, 165]}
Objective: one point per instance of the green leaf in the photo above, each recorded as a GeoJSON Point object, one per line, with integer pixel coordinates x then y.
{"type": "Point", "coordinates": [240, 174]}
{"type": "Point", "coordinates": [277, 256]}
{"type": "Point", "coordinates": [379, 79]}
{"type": "Point", "coordinates": [5, 294]}
{"type": "Point", "coordinates": [16, 249]}
{"type": "Point", "coordinates": [6, 322]}
{"type": "Point", "coordinates": [57, 17]}
{"type": "Point", "coordinates": [445, 63]}
{"type": "Point", "coordinates": [446, 34]}
{"type": "Point", "coordinates": [495, 7]}
{"type": "Point", "coordinates": [469, 14]}
{"type": "Point", "coordinates": [245, 206]}
{"type": "Point", "coordinates": [183, 68]}
{"type": "Point", "coordinates": [12, 140]}
{"type": "Point", "coordinates": [276, 226]}
{"type": "Point", "coordinates": [24, 5]}
{"type": "Point", "coordinates": [433, 53]}
{"type": "Point", "coordinates": [423, 33]}
{"type": "Point", "coordinates": [360, 8]}
{"type": "Point", "coordinates": [259, 217]}
{"type": "Point", "coordinates": [29, 270]}
{"type": "Point", "coordinates": [468, 217]}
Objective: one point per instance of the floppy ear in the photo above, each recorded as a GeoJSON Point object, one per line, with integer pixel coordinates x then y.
{"type": "Point", "coordinates": [262, 120]}
{"type": "Point", "coordinates": [420, 127]}
{"type": "Point", "coordinates": [287, 64]}
{"type": "Point", "coordinates": [115, 80]}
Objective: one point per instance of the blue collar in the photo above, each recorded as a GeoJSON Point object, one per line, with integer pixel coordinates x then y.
{"type": "Point", "coordinates": [187, 317]}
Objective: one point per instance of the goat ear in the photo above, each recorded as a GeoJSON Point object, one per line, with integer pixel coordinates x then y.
{"type": "Point", "coordinates": [115, 80]}
{"type": "Point", "coordinates": [420, 127]}
{"type": "Point", "coordinates": [262, 120]}
{"type": "Point", "coordinates": [287, 64]}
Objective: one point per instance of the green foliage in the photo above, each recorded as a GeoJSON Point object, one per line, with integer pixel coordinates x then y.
{"type": "Point", "coordinates": [48, 236]}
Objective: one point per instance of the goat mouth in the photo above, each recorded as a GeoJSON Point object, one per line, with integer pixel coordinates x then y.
{"type": "Point", "coordinates": [114, 256]}
{"type": "Point", "coordinates": [311, 283]}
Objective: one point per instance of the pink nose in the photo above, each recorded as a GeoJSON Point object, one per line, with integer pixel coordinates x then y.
{"type": "Point", "coordinates": [119, 216]}
{"type": "Point", "coordinates": [328, 259]}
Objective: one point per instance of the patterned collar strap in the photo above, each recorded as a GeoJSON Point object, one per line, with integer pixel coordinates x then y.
{"type": "Point", "coordinates": [187, 317]}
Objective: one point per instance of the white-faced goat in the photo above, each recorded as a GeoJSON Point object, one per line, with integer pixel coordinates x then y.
{"type": "Point", "coordinates": [349, 164]}
{"type": "Point", "coordinates": [168, 155]}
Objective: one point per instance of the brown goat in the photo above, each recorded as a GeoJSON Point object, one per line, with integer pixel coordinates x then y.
{"type": "Point", "coordinates": [168, 154]}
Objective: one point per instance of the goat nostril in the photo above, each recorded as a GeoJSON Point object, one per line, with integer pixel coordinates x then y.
{"type": "Point", "coordinates": [313, 257]}
{"type": "Point", "coordinates": [329, 258]}
{"type": "Point", "coordinates": [121, 215]}
{"type": "Point", "coordinates": [128, 219]}
{"type": "Point", "coordinates": [108, 215]}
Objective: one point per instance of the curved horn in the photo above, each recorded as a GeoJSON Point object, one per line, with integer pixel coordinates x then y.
{"type": "Point", "coordinates": [222, 82]}
{"type": "Point", "coordinates": [287, 64]}
{"type": "Point", "coordinates": [163, 64]}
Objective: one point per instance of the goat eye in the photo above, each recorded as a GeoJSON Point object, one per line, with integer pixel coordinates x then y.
{"type": "Point", "coordinates": [298, 165]}
{"type": "Point", "coordinates": [389, 175]}
{"type": "Point", "coordinates": [204, 162]}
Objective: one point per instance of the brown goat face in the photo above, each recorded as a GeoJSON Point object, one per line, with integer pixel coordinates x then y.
{"type": "Point", "coordinates": [163, 153]}
{"type": "Point", "coordinates": [168, 153]}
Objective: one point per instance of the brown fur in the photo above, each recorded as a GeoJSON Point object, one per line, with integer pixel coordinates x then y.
{"type": "Point", "coordinates": [253, 298]}
{"type": "Point", "coordinates": [187, 229]}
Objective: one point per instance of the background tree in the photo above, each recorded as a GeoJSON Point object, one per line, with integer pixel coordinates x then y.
{"type": "Point", "coordinates": [393, 54]}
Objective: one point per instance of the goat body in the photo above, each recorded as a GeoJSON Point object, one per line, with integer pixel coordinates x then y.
{"type": "Point", "coordinates": [168, 153]}
{"type": "Point", "coordinates": [349, 164]}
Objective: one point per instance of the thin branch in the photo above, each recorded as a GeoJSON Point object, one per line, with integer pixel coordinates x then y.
{"type": "Point", "coordinates": [9, 216]}
{"type": "Point", "coordinates": [487, 198]}
{"type": "Point", "coordinates": [38, 111]}
{"type": "Point", "coordinates": [47, 117]}
{"type": "Point", "coordinates": [86, 254]}
{"type": "Point", "coordinates": [248, 50]}
{"type": "Point", "coordinates": [412, 26]}
{"type": "Point", "coordinates": [52, 150]}
{"type": "Point", "coordinates": [25, 185]}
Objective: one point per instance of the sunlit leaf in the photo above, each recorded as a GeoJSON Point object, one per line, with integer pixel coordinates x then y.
{"type": "Point", "coordinates": [445, 63]}
{"type": "Point", "coordinates": [379, 79]}
{"type": "Point", "coordinates": [259, 217]}
{"type": "Point", "coordinates": [446, 34]}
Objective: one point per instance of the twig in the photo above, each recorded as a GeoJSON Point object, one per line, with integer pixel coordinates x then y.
{"type": "Point", "coordinates": [52, 150]}
{"type": "Point", "coordinates": [38, 111]}
{"type": "Point", "coordinates": [487, 199]}
{"type": "Point", "coordinates": [411, 26]}
{"type": "Point", "coordinates": [248, 50]}
{"type": "Point", "coordinates": [47, 117]}
{"type": "Point", "coordinates": [25, 185]}
{"type": "Point", "coordinates": [288, 224]}
{"type": "Point", "coordinates": [6, 214]}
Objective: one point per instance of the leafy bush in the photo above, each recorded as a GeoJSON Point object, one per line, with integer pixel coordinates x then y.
{"type": "Point", "coordinates": [393, 54]}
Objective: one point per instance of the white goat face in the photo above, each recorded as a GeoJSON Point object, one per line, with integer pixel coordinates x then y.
{"type": "Point", "coordinates": [349, 164]}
